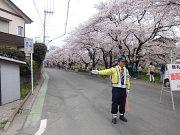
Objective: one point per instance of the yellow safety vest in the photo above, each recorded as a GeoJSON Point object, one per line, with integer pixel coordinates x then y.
{"type": "Point", "coordinates": [114, 73]}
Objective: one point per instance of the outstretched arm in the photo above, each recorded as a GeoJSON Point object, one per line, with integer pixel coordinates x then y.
{"type": "Point", "coordinates": [103, 72]}
{"type": "Point", "coordinates": [106, 72]}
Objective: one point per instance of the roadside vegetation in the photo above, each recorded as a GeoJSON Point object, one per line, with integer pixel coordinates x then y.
{"type": "Point", "coordinates": [25, 70]}
{"type": "Point", "coordinates": [26, 88]}
{"type": "Point", "coordinates": [2, 123]}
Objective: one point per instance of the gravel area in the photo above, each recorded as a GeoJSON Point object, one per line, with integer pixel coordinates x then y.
{"type": "Point", "coordinates": [7, 110]}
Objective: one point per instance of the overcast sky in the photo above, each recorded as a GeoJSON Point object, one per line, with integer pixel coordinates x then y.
{"type": "Point", "coordinates": [80, 11]}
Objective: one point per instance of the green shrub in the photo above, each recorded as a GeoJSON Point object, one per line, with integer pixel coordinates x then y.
{"type": "Point", "coordinates": [25, 69]}
{"type": "Point", "coordinates": [25, 89]}
{"type": "Point", "coordinates": [3, 123]}
{"type": "Point", "coordinates": [144, 76]}
{"type": "Point", "coordinates": [39, 53]}
{"type": "Point", "coordinates": [12, 53]}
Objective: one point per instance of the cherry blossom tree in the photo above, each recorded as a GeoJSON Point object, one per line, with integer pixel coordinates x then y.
{"type": "Point", "coordinates": [130, 27]}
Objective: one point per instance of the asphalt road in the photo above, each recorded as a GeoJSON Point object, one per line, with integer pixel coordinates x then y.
{"type": "Point", "coordinates": [79, 104]}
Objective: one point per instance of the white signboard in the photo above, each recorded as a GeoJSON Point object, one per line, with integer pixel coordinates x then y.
{"type": "Point", "coordinates": [174, 76]}
{"type": "Point", "coordinates": [28, 45]}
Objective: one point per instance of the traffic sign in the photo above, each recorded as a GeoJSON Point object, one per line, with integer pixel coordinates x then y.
{"type": "Point", "coordinates": [174, 79]}
{"type": "Point", "coordinates": [28, 45]}
{"type": "Point", "coordinates": [174, 76]}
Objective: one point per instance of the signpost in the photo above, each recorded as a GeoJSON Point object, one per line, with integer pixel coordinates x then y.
{"type": "Point", "coordinates": [174, 79]}
{"type": "Point", "coordinates": [28, 49]}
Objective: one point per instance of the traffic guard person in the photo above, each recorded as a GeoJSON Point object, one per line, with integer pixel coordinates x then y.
{"type": "Point", "coordinates": [120, 87]}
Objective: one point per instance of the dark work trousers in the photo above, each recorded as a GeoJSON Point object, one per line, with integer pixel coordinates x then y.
{"type": "Point", "coordinates": [118, 100]}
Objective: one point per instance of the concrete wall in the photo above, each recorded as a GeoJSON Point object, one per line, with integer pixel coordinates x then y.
{"type": "Point", "coordinates": [16, 21]}
{"type": "Point", "coordinates": [10, 82]}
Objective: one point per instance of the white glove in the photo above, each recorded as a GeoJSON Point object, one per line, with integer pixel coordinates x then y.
{"type": "Point", "coordinates": [95, 72]}
{"type": "Point", "coordinates": [127, 91]}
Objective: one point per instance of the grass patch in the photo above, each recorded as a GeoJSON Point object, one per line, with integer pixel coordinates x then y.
{"type": "Point", "coordinates": [3, 123]}
{"type": "Point", "coordinates": [145, 77]}
{"type": "Point", "coordinates": [26, 88]}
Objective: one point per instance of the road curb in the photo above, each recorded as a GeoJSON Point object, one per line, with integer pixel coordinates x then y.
{"type": "Point", "coordinates": [11, 118]}
{"type": "Point", "coordinates": [37, 106]}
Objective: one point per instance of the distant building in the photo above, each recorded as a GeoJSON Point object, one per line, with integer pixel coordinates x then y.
{"type": "Point", "coordinates": [12, 25]}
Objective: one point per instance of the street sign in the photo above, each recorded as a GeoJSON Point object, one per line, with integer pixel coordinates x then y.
{"type": "Point", "coordinates": [28, 45]}
{"type": "Point", "coordinates": [28, 49]}
{"type": "Point", "coordinates": [174, 76]}
{"type": "Point", "coordinates": [173, 71]}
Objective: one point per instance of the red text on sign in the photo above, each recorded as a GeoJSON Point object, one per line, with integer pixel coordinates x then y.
{"type": "Point", "coordinates": [175, 76]}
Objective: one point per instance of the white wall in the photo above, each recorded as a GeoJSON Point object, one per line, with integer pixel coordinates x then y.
{"type": "Point", "coordinates": [16, 21]}
{"type": "Point", "coordinates": [5, 6]}
{"type": "Point", "coordinates": [10, 82]}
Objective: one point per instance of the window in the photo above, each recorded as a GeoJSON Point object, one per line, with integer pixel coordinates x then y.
{"type": "Point", "coordinates": [20, 30]}
{"type": "Point", "coordinates": [4, 26]}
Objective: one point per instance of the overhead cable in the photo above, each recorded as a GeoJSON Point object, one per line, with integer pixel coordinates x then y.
{"type": "Point", "coordinates": [66, 22]}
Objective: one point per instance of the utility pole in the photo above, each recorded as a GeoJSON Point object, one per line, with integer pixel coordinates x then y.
{"type": "Point", "coordinates": [46, 12]}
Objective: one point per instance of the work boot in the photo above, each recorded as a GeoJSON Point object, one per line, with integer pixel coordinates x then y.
{"type": "Point", "coordinates": [114, 120]}
{"type": "Point", "coordinates": [121, 117]}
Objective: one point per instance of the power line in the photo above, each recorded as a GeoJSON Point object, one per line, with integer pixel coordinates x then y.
{"type": "Point", "coordinates": [67, 16]}
{"type": "Point", "coordinates": [49, 5]}
{"type": "Point", "coordinates": [66, 22]}
{"type": "Point", "coordinates": [46, 12]}
{"type": "Point", "coordinates": [38, 12]}
{"type": "Point", "coordinates": [39, 15]}
{"type": "Point", "coordinates": [49, 8]}
{"type": "Point", "coordinates": [52, 5]}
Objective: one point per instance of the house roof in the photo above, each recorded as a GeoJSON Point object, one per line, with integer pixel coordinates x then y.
{"type": "Point", "coordinates": [18, 11]}
{"type": "Point", "coordinates": [12, 60]}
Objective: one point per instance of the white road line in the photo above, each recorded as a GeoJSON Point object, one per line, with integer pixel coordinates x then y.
{"type": "Point", "coordinates": [42, 127]}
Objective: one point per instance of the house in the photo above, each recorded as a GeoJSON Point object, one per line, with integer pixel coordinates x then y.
{"type": "Point", "coordinates": [9, 80]}
{"type": "Point", "coordinates": [12, 25]}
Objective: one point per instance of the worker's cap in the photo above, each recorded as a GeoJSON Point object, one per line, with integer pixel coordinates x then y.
{"type": "Point", "coordinates": [121, 57]}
